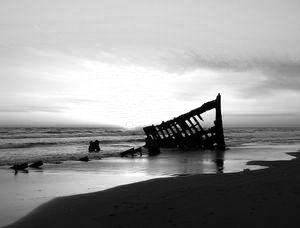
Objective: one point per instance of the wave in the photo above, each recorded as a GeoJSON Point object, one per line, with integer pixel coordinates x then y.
{"type": "Point", "coordinates": [57, 158]}
{"type": "Point", "coordinates": [46, 144]}
{"type": "Point", "coordinates": [26, 145]}
{"type": "Point", "coordinates": [75, 134]}
{"type": "Point", "coordinates": [51, 144]}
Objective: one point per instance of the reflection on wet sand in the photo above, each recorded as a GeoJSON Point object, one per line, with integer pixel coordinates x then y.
{"type": "Point", "coordinates": [219, 160]}
{"type": "Point", "coordinates": [23, 192]}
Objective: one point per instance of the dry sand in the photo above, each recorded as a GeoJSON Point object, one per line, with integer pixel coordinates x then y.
{"type": "Point", "coordinates": [261, 198]}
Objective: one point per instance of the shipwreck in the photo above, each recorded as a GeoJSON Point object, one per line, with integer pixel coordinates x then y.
{"type": "Point", "coordinates": [186, 131]}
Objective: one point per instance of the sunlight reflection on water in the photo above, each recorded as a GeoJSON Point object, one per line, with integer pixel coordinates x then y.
{"type": "Point", "coordinates": [21, 193]}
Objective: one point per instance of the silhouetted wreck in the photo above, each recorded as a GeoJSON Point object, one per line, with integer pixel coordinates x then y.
{"type": "Point", "coordinates": [185, 131]}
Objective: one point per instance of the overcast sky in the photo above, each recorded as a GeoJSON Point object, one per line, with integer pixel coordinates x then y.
{"type": "Point", "coordinates": [135, 62]}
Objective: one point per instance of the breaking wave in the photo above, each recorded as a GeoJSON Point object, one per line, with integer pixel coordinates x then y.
{"type": "Point", "coordinates": [62, 144]}
{"type": "Point", "coordinates": [80, 142]}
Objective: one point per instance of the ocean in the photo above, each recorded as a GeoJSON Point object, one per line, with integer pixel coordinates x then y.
{"type": "Point", "coordinates": [63, 144]}
{"type": "Point", "coordinates": [67, 144]}
{"type": "Point", "coordinates": [62, 174]}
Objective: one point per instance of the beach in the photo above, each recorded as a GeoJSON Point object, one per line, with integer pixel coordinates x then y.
{"type": "Point", "coordinates": [25, 192]}
{"type": "Point", "coordinates": [260, 198]}
{"type": "Point", "coordinates": [149, 113]}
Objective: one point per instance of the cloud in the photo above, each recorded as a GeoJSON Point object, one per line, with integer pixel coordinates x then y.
{"type": "Point", "coordinates": [51, 107]}
{"type": "Point", "coordinates": [258, 115]}
{"type": "Point", "coordinates": [31, 108]}
{"type": "Point", "coordinates": [245, 76]}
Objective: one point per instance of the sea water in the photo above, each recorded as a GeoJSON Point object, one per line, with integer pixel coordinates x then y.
{"type": "Point", "coordinates": [62, 174]}
{"type": "Point", "coordinates": [65, 144]}
{"type": "Point", "coordinates": [62, 144]}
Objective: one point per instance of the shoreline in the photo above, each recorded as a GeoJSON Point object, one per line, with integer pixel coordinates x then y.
{"type": "Point", "coordinates": [262, 198]}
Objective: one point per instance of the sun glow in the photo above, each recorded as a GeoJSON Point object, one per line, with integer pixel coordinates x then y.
{"type": "Point", "coordinates": [92, 92]}
{"type": "Point", "coordinates": [123, 95]}
{"type": "Point", "coordinates": [66, 89]}
{"type": "Point", "coordinates": [97, 92]}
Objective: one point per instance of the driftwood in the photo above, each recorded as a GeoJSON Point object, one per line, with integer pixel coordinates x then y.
{"type": "Point", "coordinates": [36, 164]}
{"type": "Point", "coordinates": [132, 152]}
{"type": "Point", "coordinates": [21, 166]}
{"type": "Point", "coordinates": [185, 131]}
{"type": "Point", "coordinates": [84, 159]}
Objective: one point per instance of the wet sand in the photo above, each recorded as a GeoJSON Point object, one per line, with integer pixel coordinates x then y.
{"type": "Point", "coordinates": [22, 193]}
{"type": "Point", "coordinates": [260, 198]}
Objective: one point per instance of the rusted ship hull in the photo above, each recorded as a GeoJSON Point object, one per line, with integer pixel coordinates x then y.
{"type": "Point", "coordinates": [185, 131]}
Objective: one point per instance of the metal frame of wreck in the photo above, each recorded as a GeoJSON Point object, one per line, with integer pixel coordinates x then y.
{"type": "Point", "coordinates": [185, 131]}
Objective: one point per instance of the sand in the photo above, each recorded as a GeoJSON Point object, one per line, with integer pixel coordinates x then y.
{"type": "Point", "coordinates": [261, 198]}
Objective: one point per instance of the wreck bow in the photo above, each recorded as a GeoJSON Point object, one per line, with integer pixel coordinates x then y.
{"type": "Point", "coordinates": [185, 131]}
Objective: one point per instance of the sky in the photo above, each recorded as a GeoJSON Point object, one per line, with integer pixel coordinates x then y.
{"type": "Point", "coordinates": [137, 62]}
